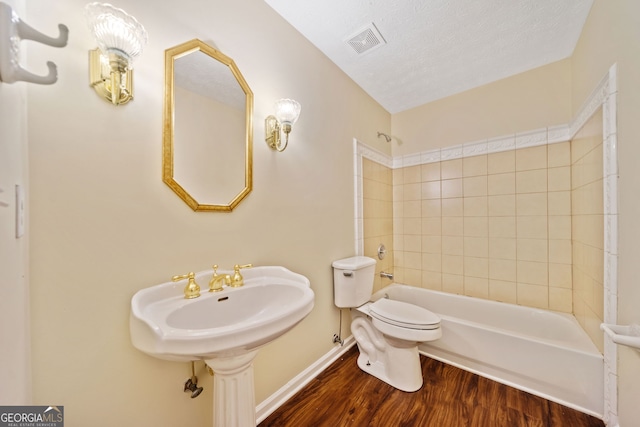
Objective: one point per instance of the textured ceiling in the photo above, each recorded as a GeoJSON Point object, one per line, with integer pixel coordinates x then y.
{"type": "Point", "coordinates": [436, 48]}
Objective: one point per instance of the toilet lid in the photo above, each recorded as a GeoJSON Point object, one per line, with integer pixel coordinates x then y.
{"type": "Point", "coordinates": [403, 314]}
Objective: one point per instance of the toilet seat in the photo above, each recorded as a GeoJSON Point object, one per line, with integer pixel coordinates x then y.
{"type": "Point", "coordinates": [404, 315]}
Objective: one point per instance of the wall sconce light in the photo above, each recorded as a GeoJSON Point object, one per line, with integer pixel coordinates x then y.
{"type": "Point", "coordinates": [287, 112]}
{"type": "Point", "coordinates": [120, 40]}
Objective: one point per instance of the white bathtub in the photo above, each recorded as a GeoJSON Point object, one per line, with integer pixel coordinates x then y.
{"type": "Point", "coordinates": [542, 352]}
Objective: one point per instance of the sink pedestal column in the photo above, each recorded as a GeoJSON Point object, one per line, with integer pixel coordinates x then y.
{"type": "Point", "coordinates": [234, 402]}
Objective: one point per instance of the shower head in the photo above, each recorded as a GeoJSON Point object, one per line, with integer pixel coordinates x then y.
{"type": "Point", "coordinates": [387, 137]}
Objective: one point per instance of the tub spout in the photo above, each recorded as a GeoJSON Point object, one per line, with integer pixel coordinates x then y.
{"type": "Point", "coordinates": [387, 275]}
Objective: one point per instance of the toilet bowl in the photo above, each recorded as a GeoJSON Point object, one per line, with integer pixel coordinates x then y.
{"type": "Point", "coordinates": [387, 332]}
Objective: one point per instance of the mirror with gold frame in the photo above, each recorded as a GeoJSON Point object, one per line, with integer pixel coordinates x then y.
{"type": "Point", "coordinates": [208, 132]}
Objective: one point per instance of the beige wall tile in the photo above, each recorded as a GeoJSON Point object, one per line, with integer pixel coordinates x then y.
{"type": "Point", "coordinates": [497, 226]}
{"type": "Point", "coordinates": [413, 275]}
{"type": "Point", "coordinates": [452, 264]}
{"type": "Point", "coordinates": [412, 243]}
{"type": "Point", "coordinates": [560, 299]}
{"type": "Point", "coordinates": [502, 205]}
{"type": "Point", "coordinates": [397, 175]}
{"type": "Point", "coordinates": [412, 226]}
{"type": "Point", "coordinates": [534, 273]}
{"type": "Point", "coordinates": [476, 287]}
{"type": "Point", "coordinates": [531, 204]}
{"type": "Point", "coordinates": [532, 250]}
{"type": "Point", "coordinates": [412, 191]}
{"type": "Point", "coordinates": [531, 181]}
{"type": "Point", "coordinates": [453, 283]}
{"type": "Point", "coordinates": [501, 162]}
{"type": "Point", "coordinates": [431, 208]}
{"type": "Point", "coordinates": [476, 247]}
{"type": "Point", "coordinates": [559, 179]}
{"type": "Point", "coordinates": [504, 183]}
{"type": "Point", "coordinates": [560, 275]}
{"type": "Point", "coordinates": [559, 226]}
{"type": "Point", "coordinates": [412, 209]}
{"type": "Point", "coordinates": [532, 227]}
{"type": "Point", "coordinates": [476, 267]}
{"type": "Point", "coordinates": [412, 174]}
{"type": "Point", "coordinates": [559, 154]}
{"type": "Point", "coordinates": [432, 280]}
{"type": "Point", "coordinates": [451, 169]}
{"type": "Point", "coordinates": [560, 203]}
{"type": "Point", "coordinates": [502, 248]}
{"type": "Point", "coordinates": [453, 207]}
{"type": "Point", "coordinates": [533, 296]}
{"type": "Point", "coordinates": [452, 245]}
{"type": "Point", "coordinates": [476, 226]}
{"type": "Point", "coordinates": [451, 188]}
{"type": "Point", "coordinates": [503, 291]}
{"type": "Point", "coordinates": [531, 158]}
{"type": "Point", "coordinates": [560, 251]}
{"type": "Point", "coordinates": [413, 260]}
{"type": "Point", "coordinates": [432, 244]}
{"type": "Point", "coordinates": [452, 226]}
{"type": "Point", "coordinates": [430, 190]}
{"type": "Point", "coordinates": [502, 226]}
{"type": "Point", "coordinates": [432, 226]}
{"type": "Point", "coordinates": [476, 206]}
{"type": "Point", "coordinates": [502, 270]}
{"type": "Point", "coordinates": [475, 186]}
{"type": "Point", "coordinates": [432, 262]}
{"type": "Point", "coordinates": [474, 166]}
{"type": "Point", "coordinates": [431, 172]}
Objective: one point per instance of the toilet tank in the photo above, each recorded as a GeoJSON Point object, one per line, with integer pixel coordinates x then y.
{"type": "Point", "coordinates": [353, 281]}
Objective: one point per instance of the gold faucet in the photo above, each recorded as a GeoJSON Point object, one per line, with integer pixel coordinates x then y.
{"type": "Point", "coordinates": [192, 290]}
{"type": "Point", "coordinates": [215, 284]}
{"type": "Point", "coordinates": [237, 280]}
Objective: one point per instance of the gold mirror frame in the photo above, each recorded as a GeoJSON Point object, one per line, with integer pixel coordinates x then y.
{"type": "Point", "coordinates": [169, 125]}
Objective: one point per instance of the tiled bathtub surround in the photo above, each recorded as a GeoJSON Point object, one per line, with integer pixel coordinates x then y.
{"type": "Point", "coordinates": [501, 184]}
{"type": "Point", "coordinates": [588, 227]}
{"type": "Point", "coordinates": [378, 216]}
{"type": "Point", "coordinates": [494, 226]}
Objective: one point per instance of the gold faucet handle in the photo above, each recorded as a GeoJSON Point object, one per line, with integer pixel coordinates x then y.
{"type": "Point", "coordinates": [215, 284]}
{"type": "Point", "coordinates": [237, 280]}
{"type": "Point", "coordinates": [192, 290]}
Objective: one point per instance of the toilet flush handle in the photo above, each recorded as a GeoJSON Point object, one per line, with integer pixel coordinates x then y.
{"type": "Point", "coordinates": [348, 273]}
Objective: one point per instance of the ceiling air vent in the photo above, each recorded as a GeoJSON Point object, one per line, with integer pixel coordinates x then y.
{"type": "Point", "coordinates": [365, 39]}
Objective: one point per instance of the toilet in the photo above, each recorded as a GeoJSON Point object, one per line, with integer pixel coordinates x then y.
{"type": "Point", "coordinates": [387, 332]}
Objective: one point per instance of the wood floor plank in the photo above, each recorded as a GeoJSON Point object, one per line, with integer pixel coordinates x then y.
{"type": "Point", "coordinates": [344, 395]}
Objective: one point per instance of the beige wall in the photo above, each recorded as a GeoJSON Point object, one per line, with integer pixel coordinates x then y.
{"type": "Point", "coordinates": [534, 99]}
{"type": "Point", "coordinates": [494, 226]}
{"type": "Point", "coordinates": [588, 228]}
{"type": "Point", "coordinates": [104, 225]}
{"type": "Point", "coordinates": [610, 36]}
{"type": "Point", "coordinates": [15, 366]}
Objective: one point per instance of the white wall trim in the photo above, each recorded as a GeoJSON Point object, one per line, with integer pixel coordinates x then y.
{"type": "Point", "coordinates": [273, 402]}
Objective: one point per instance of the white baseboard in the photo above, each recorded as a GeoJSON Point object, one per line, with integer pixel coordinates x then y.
{"type": "Point", "coordinates": [273, 402]}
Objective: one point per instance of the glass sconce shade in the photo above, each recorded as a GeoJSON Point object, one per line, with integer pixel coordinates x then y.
{"type": "Point", "coordinates": [120, 40]}
{"type": "Point", "coordinates": [115, 31]}
{"type": "Point", "coordinates": [287, 111]}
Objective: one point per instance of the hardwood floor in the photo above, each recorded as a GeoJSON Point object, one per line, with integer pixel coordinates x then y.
{"type": "Point", "coordinates": [344, 395]}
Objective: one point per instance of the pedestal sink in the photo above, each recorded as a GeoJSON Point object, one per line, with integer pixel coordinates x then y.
{"type": "Point", "coordinates": [225, 329]}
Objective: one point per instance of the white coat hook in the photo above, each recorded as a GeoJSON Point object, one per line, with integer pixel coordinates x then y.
{"type": "Point", "coordinates": [12, 30]}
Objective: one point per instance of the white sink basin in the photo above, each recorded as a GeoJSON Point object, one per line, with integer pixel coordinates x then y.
{"type": "Point", "coordinates": [233, 322]}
